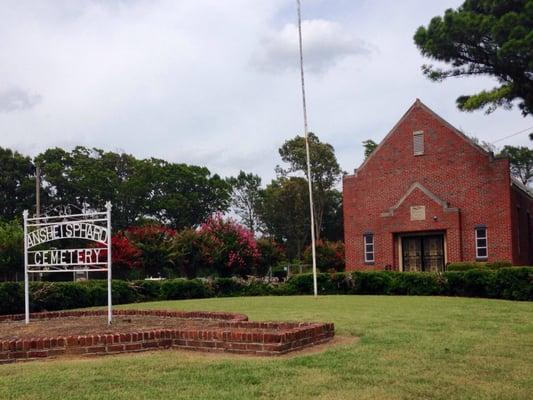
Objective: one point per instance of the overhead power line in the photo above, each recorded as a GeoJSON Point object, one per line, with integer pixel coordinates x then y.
{"type": "Point", "coordinates": [514, 134]}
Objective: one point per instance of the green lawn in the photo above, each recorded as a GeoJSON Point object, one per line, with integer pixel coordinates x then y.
{"type": "Point", "coordinates": [410, 348]}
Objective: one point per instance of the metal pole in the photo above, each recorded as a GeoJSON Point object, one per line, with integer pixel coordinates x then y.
{"type": "Point", "coordinates": [306, 130]}
{"type": "Point", "coordinates": [37, 190]}
{"type": "Point", "coordinates": [109, 275]}
{"type": "Point", "coordinates": [26, 283]}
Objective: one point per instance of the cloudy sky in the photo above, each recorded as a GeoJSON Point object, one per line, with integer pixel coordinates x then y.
{"type": "Point", "coordinates": [216, 82]}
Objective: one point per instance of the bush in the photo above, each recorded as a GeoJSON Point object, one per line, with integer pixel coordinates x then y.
{"type": "Point", "coordinates": [505, 283]}
{"type": "Point", "coordinates": [417, 284]}
{"type": "Point", "coordinates": [329, 256]}
{"type": "Point", "coordinates": [469, 283]}
{"type": "Point", "coordinates": [465, 266]}
{"type": "Point", "coordinates": [233, 249]}
{"type": "Point", "coordinates": [372, 282]}
{"type": "Point", "coordinates": [499, 264]}
{"type": "Point", "coordinates": [303, 284]}
{"type": "Point", "coordinates": [175, 289]}
{"type": "Point", "coordinates": [270, 255]}
{"type": "Point", "coordinates": [513, 283]}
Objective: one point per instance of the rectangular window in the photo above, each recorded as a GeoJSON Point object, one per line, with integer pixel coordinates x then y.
{"type": "Point", "coordinates": [418, 143]}
{"type": "Point", "coordinates": [481, 243]}
{"type": "Point", "coordinates": [369, 247]}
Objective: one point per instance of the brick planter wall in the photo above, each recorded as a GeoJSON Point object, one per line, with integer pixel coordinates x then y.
{"type": "Point", "coordinates": [234, 334]}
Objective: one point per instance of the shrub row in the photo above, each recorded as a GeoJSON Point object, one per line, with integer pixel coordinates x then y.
{"type": "Point", "coordinates": [504, 283]}
{"type": "Point", "coordinates": [465, 266]}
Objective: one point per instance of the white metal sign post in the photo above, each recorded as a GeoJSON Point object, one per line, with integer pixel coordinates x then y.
{"type": "Point", "coordinates": [40, 256]}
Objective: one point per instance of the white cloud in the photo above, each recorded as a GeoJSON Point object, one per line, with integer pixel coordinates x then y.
{"type": "Point", "coordinates": [174, 79]}
{"type": "Point", "coordinates": [17, 99]}
{"type": "Point", "coordinates": [326, 42]}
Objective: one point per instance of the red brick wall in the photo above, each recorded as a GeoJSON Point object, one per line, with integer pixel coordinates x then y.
{"type": "Point", "coordinates": [522, 216]}
{"type": "Point", "coordinates": [475, 185]}
{"type": "Point", "coordinates": [233, 334]}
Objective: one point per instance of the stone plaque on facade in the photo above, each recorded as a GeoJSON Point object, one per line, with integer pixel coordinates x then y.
{"type": "Point", "coordinates": [418, 213]}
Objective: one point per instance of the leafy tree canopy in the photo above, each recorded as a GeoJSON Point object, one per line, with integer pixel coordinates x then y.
{"type": "Point", "coordinates": [325, 170]}
{"type": "Point", "coordinates": [484, 37]}
{"type": "Point", "coordinates": [369, 146]}
{"type": "Point", "coordinates": [246, 198]}
{"type": "Point", "coordinates": [521, 161]}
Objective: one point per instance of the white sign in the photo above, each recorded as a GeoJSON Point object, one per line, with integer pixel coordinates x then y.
{"type": "Point", "coordinates": [43, 237]}
{"type": "Point", "coordinates": [418, 213]}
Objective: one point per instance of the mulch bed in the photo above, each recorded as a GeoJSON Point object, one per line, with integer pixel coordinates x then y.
{"type": "Point", "coordinates": [90, 325]}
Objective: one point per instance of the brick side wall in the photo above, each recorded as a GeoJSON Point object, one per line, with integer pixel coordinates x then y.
{"type": "Point", "coordinates": [522, 217]}
{"type": "Point", "coordinates": [233, 334]}
{"type": "Point", "coordinates": [475, 186]}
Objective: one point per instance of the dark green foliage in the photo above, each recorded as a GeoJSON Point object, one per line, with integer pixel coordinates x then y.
{"type": "Point", "coordinates": [417, 284]}
{"type": "Point", "coordinates": [505, 283]}
{"type": "Point", "coordinates": [177, 195]}
{"type": "Point", "coordinates": [17, 184]}
{"type": "Point", "coordinates": [470, 283]}
{"type": "Point", "coordinates": [372, 282]}
{"type": "Point", "coordinates": [521, 162]}
{"type": "Point", "coordinates": [246, 199]}
{"type": "Point", "coordinates": [11, 298]}
{"type": "Point", "coordinates": [271, 254]}
{"type": "Point", "coordinates": [303, 284]}
{"type": "Point", "coordinates": [369, 146]}
{"type": "Point", "coordinates": [224, 287]}
{"type": "Point", "coordinates": [499, 264]}
{"type": "Point", "coordinates": [11, 250]}
{"type": "Point", "coordinates": [329, 256]}
{"type": "Point", "coordinates": [325, 170]}
{"type": "Point", "coordinates": [465, 266]}
{"type": "Point", "coordinates": [484, 37]}
{"type": "Point", "coordinates": [513, 283]}
{"type": "Point", "coordinates": [175, 289]}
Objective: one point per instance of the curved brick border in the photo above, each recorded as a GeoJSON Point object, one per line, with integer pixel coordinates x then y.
{"type": "Point", "coordinates": [234, 333]}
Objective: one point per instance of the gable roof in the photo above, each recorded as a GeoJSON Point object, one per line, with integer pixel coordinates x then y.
{"type": "Point", "coordinates": [419, 104]}
{"type": "Point", "coordinates": [423, 189]}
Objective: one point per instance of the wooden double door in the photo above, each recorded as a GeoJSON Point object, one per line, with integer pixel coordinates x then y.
{"type": "Point", "coordinates": [423, 253]}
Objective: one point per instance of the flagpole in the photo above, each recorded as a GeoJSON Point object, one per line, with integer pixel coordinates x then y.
{"type": "Point", "coordinates": [306, 131]}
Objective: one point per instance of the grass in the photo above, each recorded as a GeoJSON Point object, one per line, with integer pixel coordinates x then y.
{"type": "Point", "coordinates": [410, 348]}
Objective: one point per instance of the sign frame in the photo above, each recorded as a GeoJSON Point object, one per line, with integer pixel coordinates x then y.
{"type": "Point", "coordinates": [92, 226]}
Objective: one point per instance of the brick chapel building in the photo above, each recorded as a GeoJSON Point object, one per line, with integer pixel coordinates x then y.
{"type": "Point", "coordinates": [428, 196]}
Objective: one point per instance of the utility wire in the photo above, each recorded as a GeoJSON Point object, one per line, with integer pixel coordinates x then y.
{"type": "Point", "coordinates": [513, 134]}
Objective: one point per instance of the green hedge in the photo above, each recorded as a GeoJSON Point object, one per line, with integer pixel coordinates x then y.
{"type": "Point", "coordinates": [504, 283]}
{"type": "Point", "coordinates": [465, 266]}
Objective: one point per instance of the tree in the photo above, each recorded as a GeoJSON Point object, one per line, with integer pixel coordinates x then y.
{"type": "Point", "coordinates": [157, 249]}
{"type": "Point", "coordinates": [17, 184]}
{"type": "Point", "coordinates": [325, 170]}
{"type": "Point", "coordinates": [233, 249]}
{"type": "Point", "coordinates": [484, 37]}
{"type": "Point", "coordinates": [11, 249]}
{"type": "Point", "coordinates": [285, 213]}
{"type": "Point", "coordinates": [329, 256]}
{"type": "Point", "coordinates": [370, 146]}
{"type": "Point", "coordinates": [271, 254]}
{"type": "Point", "coordinates": [177, 195]}
{"type": "Point", "coordinates": [127, 258]}
{"type": "Point", "coordinates": [246, 198]}
{"type": "Point", "coordinates": [192, 253]}
{"type": "Point", "coordinates": [521, 161]}
{"type": "Point", "coordinates": [333, 227]}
